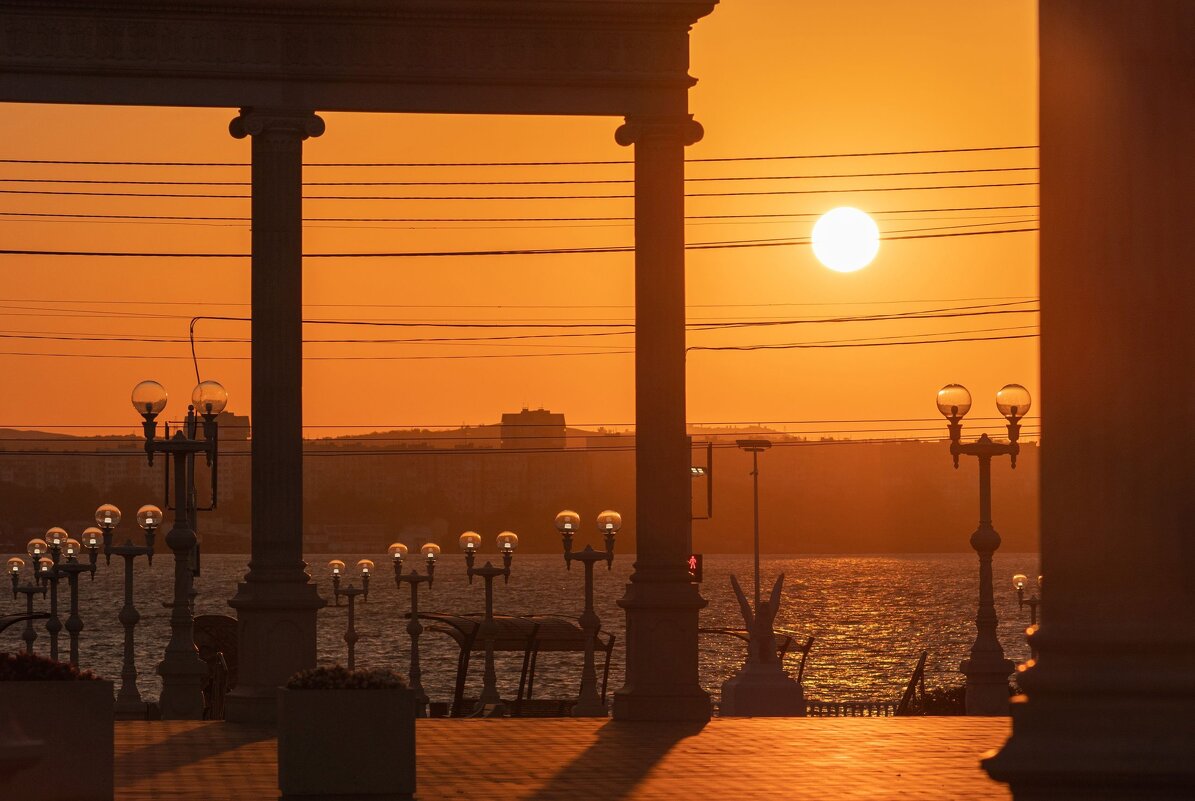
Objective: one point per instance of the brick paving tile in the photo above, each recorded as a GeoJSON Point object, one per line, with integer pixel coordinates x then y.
{"type": "Point", "coordinates": [795, 759]}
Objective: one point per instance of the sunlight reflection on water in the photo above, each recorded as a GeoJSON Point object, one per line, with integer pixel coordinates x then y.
{"type": "Point", "coordinates": [870, 615]}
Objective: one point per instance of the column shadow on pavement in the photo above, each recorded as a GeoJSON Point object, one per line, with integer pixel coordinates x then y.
{"type": "Point", "coordinates": [619, 759]}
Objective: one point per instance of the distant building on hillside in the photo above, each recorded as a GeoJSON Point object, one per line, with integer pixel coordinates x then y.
{"type": "Point", "coordinates": [533, 428]}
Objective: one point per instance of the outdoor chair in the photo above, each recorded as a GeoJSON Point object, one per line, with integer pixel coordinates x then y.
{"type": "Point", "coordinates": [216, 641]}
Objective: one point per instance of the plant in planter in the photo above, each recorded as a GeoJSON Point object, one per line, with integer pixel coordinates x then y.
{"type": "Point", "coordinates": [57, 705]}
{"type": "Point", "coordinates": [346, 734]}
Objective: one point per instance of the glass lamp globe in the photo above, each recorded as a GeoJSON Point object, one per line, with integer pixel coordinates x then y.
{"type": "Point", "coordinates": [1013, 401]}
{"type": "Point", "coordinates": [507, 541]}
{"type": "Point", "coordinates": [209, 397]}
{"type": "Point", "coordinates": [365, 565]}
{"type": "Point", "coordinates": [567, 521]}
{"type": "Point", "coordinates": [398, 551]}
{"type": "Point", "coordinates": [73, 547]}
{"type": "Point", "coordinates": [91, 537]}
{"type": "Point", "coordinates": [36, 548]}
{"type": "Point", "coordinates": [56, 536]}
{"type": "Point", "coordinates": [149, 516]}
{"type": "Point", "coordinates": [430, 551]}
{"type": "Point", "coordinates": [44, 564]}
{"type": "Point", "coordinates": [954, 401]}
{"type": "Point", "coordinates": [16, 564]}
{"type": "Point", "coordinates": [1020, 581]}
{"type": "Point", "coordinates": [107, 516]}
{"type": "Point", "coordinates": [470, 541]}
{"type": "Point", "coordinates": [336, 566]}
{"type": "Point", "coordinates": [609, 520]}
{"type": "Point", "coordinates": [149, 397]}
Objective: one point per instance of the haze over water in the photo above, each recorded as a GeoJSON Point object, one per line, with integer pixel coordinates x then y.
{"type": "Point", "coordinates": [870, 615]}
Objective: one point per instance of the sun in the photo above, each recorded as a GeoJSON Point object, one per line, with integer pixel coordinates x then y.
{"type": "Point", "coordinates": [845, 239]}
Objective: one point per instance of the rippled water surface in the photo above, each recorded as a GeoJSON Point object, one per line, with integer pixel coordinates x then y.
{"type": "Point", "coordinates": [870, 616]}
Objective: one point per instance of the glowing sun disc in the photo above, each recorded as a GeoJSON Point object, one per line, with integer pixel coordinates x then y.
{"type": "Point", "coordinates": [845, 239]}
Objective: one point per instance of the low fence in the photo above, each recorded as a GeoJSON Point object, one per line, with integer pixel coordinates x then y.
{"type": "Point", "coordinates": [851, 709]}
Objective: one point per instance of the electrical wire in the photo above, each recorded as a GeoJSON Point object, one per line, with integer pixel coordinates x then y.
{"type": "Point", "coordinates": [747, 243]}
{"type": "Point", "coordinates": [623, 218]}
{"type": "Point", "coordinates": [571, 182]}
{"type": "Point", "coordinates": [421, 198]}
{"type": "Point", "coordinates": [707, 160]}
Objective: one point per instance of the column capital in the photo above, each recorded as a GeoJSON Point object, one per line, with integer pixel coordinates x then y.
{"type": "Point", "coordinates": [645, 130]}
{"type": "Point", "coordinates": [255, 121]}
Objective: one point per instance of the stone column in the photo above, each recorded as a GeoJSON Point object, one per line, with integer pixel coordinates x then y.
{"type": "Point", "coordinates": [1110, 706]}
{"type": "Point", "coordinates": [276, 604]}
{"type": "Point", "coordinates": [662, 605]}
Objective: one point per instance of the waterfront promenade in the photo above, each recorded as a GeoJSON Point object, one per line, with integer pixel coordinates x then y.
{"type": "Point", "coordinates": [795, 759]}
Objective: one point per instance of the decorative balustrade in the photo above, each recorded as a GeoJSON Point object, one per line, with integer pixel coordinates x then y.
{"type": "Point", "coordinates": [851, 709]}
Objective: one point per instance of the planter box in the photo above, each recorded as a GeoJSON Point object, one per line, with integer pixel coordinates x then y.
{"type": "Point", "coordinates": [346, 744]}
{"type": "Point", "coordinates": [73, 720]}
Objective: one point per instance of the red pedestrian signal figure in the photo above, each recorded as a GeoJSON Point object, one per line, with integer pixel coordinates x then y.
{"type": "Point", "coordinates": [695, 567]}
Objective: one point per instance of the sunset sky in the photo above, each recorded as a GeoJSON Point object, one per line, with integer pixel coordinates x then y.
{"type": "Point", "coordinates": [776, 78]}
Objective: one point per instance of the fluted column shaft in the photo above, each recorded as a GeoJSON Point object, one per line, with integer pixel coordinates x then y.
{"type": "Point", "coordinates": [276, 604]}
{"type": "Point", "coordinates": [1110, 709]}
{"type": "Point", "coordinates": [662, 605]}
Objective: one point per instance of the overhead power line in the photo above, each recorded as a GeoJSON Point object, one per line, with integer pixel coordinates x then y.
{"type": "Point", "coordinates": [557, 182]}
{"type": "Point", "coordinates": [759, 193]}
{"type": "Point", "coordinates": [789, 346]}
{"type": "Point", "coordinates": [732, 244]}
{"type": "Point", "coordinates": [553, 306]}
{"type": "Point", "coordinates": [604, 218]}
{"type": "Point", "coordinates": [706, 160]}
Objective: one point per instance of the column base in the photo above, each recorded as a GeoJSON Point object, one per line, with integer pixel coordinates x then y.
{"type": "Point", "coordinates": [661, 679]}
{"type": "Point", "coordinates": [590, 708]}
{"type": "Point", "coordinates": [1115, 749]}
{"type": "Point", "coordinates": [1106, 716]}
{"type": "Point", "coordinates": [136, 710]}
{"type": "Point", "coordinates": [762, 691]}
{"type": "Point", "coordinates": [276, 639]}
{"type": "Point", "coordinates": [182, 686]}
{"type": "Point", "coordinates": [987, 686]}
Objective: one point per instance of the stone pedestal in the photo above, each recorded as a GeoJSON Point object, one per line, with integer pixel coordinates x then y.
{"type": "Point", "coordinates": [1109, 711]}
{"type": "Point", "coordinates": [762, 690]}
{"type": "Point", "coordinates": [276, 604]}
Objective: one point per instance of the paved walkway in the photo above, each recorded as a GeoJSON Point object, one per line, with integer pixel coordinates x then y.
{"type": "Point", "coordinates": [795, 759]}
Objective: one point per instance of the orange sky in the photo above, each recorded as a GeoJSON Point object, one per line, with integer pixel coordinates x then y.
{"type": "Point", "coordinates": [775, 77]}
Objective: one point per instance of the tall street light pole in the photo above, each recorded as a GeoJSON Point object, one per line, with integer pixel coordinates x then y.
{"type": "Point", "coordinates": [754, 447]}
{"type": "Point", "coordinates": [987, 670]}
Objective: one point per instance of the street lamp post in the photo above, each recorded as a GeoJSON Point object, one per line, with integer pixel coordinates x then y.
{"type": "Point", "coordinates": [15, 565]}
{"type": "Point", "coordinates": [469, 542]}
{"type": "Point", "coordinates": [72, 567]}
{"type": "Point", "coordinates": [47, 575]}
{"type": "Point", "coordinates": [181, 669]}
{"type": "Point", "coordinates": [398, 552]}
{"type": "Point", "coordinates": [755, 447]}
{"type": "Point", "coordinates": [589, 702]}
{"type": "Point", "coordinates": [1020, 581]}
{"type": "Point", "coordinates": [350, 592]}
{"type": "Point", "coordinates": [365, 566]}
{"type": "Point", "coordinates": [987, 670]}
{"type": "Point", "coordinates": [129, 705]}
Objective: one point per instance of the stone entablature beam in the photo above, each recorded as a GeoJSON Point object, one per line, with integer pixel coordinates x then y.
{"type": "Point", "coordinates": [593, 57]}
